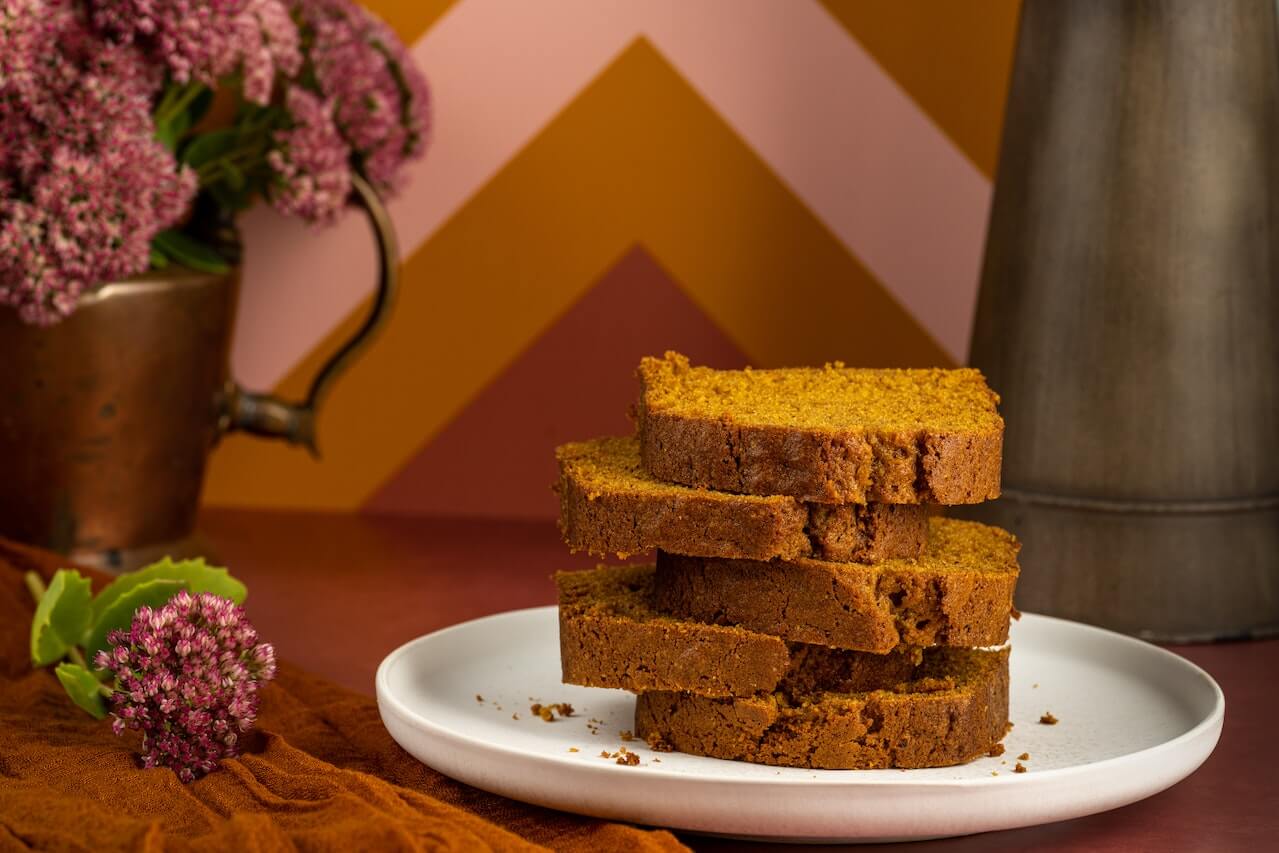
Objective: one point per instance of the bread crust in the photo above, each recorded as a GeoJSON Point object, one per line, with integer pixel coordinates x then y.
{"type": "Point", "coordinates": [611, 637]}
{"type": "Point", "coordinates": [609, 505]}
{"type": "Point", "coordinates": [929, 462]}
{"type": "Point", "coordinates": [935, 720]}
{"type": "Point", "coordinates": [958, 593]}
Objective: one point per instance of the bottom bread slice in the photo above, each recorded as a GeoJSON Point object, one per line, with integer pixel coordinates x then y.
{"type": "Point", "coordinates": [954, 709]}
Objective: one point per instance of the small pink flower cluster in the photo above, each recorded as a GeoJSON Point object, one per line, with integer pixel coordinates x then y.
{"type": "Point", "coordinates": [310, 160]}
{"type": "Point", "coordinates": [382, 100]}
{"type": "Point", "coordinates": [372, 106]}
{"type": "Point", "coordinates": [188, 676]}
{"type": "Point", "coordinates": [84, 185]}
{"type": "Point", "coordinates": [207, 39]}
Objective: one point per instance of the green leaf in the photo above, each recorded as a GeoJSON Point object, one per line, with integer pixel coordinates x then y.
{"type": "Point", "coordinates": [62, 617]}
{"type": "Point", "coordinates": [198, 576]}
{"type": "Point", "coordinates": [118, 614]}
{"type": "Point", "coordinates": [159, 260]}
{"type": "Point", "coordinates": [200, 105]}
{"type": "Point", "coordinates": [189, 252]}
{"type": "Point", "coordinates": [227, 198]}
{"type": "Point", "coordinates": [207, 147]}
{"type": "Point", "coordinates": [179, 109]}
{"type": "Point", "coordinates": [167, 133]}
{"type": "Point", "coordinates": [83, 688]}
{"type": "Point", "coordinates": [233, 176]}
{"type": "Point", "coordinates": [171, 92]}
{"type": "Point", "coordinates": [253, 118]}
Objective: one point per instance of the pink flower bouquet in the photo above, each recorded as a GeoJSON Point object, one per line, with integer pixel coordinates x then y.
{"type": "Point", "coordinates": [111, 162]}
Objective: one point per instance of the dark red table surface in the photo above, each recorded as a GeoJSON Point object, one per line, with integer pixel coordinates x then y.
{"type": "Point", "coordinates": [336, 593]}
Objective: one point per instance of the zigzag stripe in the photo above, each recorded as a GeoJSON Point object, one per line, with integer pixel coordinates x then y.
{"type": "Point", "coordinates": [502, 269]}
{"type": "Point", "coordinates": [802, 94]}
{"type": "Point", "coordinates": [953, 59]}
{"type": "Point", "coordinates": [409, 18]}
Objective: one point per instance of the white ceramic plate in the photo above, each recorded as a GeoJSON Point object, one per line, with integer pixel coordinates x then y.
{"type": "Point", "coordinates": [1134, 720]}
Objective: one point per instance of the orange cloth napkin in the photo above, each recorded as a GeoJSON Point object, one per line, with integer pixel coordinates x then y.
{"type": "Point", "coordinates": [321, 773]}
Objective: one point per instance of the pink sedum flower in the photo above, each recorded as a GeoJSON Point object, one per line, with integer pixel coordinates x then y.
{"type": "Point", "coordinates": [207, 39]}
{"type": "Point", "coordinates": [311, 161]}
{"type": "Point", "coordinates": [90, 219]}
{"type": "Point", "coordinates": [268, 42]}
{"type": "Point", "coordinates": [188, 676]}
{"type": "Point", "coordinates": [382, 104]}
{"type": "Point", "coordinates": [85, 184]}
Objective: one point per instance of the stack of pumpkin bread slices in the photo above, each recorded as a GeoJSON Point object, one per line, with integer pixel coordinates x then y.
{"type": "Point", "coordinates": [808, 606]}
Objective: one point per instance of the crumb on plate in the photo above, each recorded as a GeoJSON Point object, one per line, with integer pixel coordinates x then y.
{"type": "Point", "coordinates": [623, 756]}
{"type": "Point", "coordinates": [549, 712]}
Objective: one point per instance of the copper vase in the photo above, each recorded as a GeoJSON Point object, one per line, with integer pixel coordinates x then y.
{"type": "Point", "coordinates": [107, 419]}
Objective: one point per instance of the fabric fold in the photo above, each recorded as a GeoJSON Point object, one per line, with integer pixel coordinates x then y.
{"type": "Point", "coordinates": [320, 772]}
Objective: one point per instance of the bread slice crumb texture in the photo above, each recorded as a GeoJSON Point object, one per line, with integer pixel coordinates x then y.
{"type": "Point", "coordinates": [833, 397]}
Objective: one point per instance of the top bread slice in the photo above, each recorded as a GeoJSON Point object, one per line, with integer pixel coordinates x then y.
{"type": "Point", "coordinates": [834, 434]}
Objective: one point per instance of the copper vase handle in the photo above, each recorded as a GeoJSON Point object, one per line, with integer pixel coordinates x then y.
{"type": "Point", "coordinates": [269, 416]}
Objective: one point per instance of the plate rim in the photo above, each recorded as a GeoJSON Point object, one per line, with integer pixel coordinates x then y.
{"type": "Point", "coordinates": [845, 779]}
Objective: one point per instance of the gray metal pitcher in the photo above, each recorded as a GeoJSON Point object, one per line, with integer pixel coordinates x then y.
{"type": "Point", "coordinates": [1129, 315]}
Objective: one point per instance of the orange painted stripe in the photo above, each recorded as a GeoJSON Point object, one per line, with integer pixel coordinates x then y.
{"type": "Point", "coordinates": [409, 18]}
{"type": "Point", "coordinates": [953, 57]}
{"type": "Point", "coordinates": [637, 157]}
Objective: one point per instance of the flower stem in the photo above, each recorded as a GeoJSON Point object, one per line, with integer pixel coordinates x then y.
{"type": "Point", "coordinates": [166, 100]}
{"type": "Point", "coordinates": [35, 585]}
{"type": "Point", "coordinates": [77, 657]}
{"type": "Point", "coordinates": [243, 156]}
{"type": "Point", "coordinates": [168, 109]}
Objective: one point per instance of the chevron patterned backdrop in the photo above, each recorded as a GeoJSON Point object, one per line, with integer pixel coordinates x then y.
{"type": "Point", "coordinates": [769, 182]}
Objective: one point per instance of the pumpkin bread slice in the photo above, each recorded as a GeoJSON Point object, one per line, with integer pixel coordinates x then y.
{"type": "Point", "coordinates": [952, 710]}
{"type": "Point", "coordinates": [610, 505]}
{"type": "Point", "coordinates": [610, 636]}
{"type": "Point", "coordinates": [834, 435]}
{"type": "Point", "coordinates": [959, 592]}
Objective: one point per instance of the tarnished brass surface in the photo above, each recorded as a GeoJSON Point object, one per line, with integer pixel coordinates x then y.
{"type": "Point", "coordinates": [268, 415]}
{"type": "Point", "coordinates": [1129, 315]}
{"type": "Point", "coordinates": [107, 419]}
